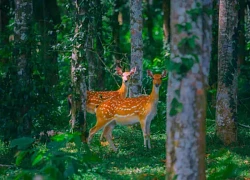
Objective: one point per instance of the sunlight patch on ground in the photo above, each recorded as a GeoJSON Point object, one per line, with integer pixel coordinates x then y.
{"type": "Point", "coordinates": [140, 171]}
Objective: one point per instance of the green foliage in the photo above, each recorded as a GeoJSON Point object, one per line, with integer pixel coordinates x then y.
{"type": "Point", "coordinates": [22, 143]}
{"type": "Point", "coordinates": [61, 158]}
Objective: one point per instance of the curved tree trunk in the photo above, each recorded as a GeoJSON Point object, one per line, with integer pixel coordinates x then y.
{"type": "Point", "coordinates": [188, 79]}
{"type": "Point", "coordinates": [136, 46]}
{"type": "Point", "coordinates": [226, 106]}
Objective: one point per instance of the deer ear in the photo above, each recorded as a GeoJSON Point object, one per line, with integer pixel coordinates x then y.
{"type": "Point", "coordinates": [133, 70]}
{"type": "Point", "coordinates": [150, 73]}
{"type": "Point", "coordinates": [119, 70]}
{"type": "Point", "coordinates": [163, 74]}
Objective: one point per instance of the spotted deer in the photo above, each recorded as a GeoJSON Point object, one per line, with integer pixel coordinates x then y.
{"type": "Point", "coordinates": [94, 98]}
{"type": "Point", "coordinates": [128, 111]}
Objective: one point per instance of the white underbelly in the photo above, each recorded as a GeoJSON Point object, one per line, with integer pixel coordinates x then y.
{"type": "Point", "coordinates": [126, 120]}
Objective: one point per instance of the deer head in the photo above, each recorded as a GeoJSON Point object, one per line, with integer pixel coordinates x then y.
{"type": "Point", "coordinates": [125, 75]}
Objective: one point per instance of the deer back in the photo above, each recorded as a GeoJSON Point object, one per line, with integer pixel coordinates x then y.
{"type": "Point", "coordinates": [95, 98]}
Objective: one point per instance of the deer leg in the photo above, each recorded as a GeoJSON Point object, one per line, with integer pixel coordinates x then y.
{"type": "Point", "coordinates": [99, 125]}
{"type": "Point", "coordinates": [148, 122]}
{"type": "Point", "coordinates": [107, 133]}
{"type": "Point", "coordinates": [143, 128]}
{"type": "Point", "coordinates": [107, 128]}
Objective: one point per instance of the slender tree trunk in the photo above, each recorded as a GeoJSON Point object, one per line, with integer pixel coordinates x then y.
{"type": "Point", "coordinates": [166, 26]}
{"type": "Point", "coordinates": [247, 28]}
{"type": "Point", "coordinates": [214, 59]}
{"type": "Point", "coordinates": [89, 9]}
{"type": "Point", "coordinates": [47, 15]}
{"type": "Point", "coordinates": [242, 42]}
{"type": "Point", "coordinates": [78, 110]}
{"type": "Point", "coordinates": [116, 23]}
{"type": "Point", "coordinates": [136, 46]}
{"type": "Point", "coordinates": [188, 79]}
{"type": "Point", "coordinates": [149, 21]}
{"type": "Point", "coordinates": [91, 58]}
{"type": "Point", "coordinates": [5, 6]}
{"type": "Point", "coordinates": [100, 69]}
{"type": "Point", "coordinates": [22, 54]}
{"type": "Point", "coordinates": [226, 106]}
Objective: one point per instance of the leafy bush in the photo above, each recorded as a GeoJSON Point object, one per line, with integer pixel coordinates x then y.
{"type": "Point", "coordinates": [61, 158]}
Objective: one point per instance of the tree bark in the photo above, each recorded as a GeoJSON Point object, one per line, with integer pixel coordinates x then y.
{"type": "Point", "coordinates": [188, 79]}
{"type": "Point", "coordinates": [47, 15]}
{"type": "Point", "coordinates": [242, 39]}
{"type": "Point", "coordinates": [22, 54]}
{"type": "Point", "coordinates": [91, 58]}
{"type": "Point", "coordinates": [78, 110]}
{"type": "Point", "coordinates": [136, 46]}
{"type": "Point", "coordinates": [149, 22]}
{"type": "Point", "coordinates": [226, 106]}
{"type": "Point", "coordinates": [100, 70]}
{"type": "Point", "coordinates": [166, 26]}
{"type": "Point", "coordinates": [116, 23]}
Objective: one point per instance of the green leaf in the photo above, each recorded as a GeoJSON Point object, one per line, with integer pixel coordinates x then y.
{"type": "Point", "coordinates": [19, 157]}
{"type": "Point", "coordinates": [22, 143]}
{"type": "Point", "coordinates": [37, 159]}
{"type": "Point", "coordinates": [70, 170]}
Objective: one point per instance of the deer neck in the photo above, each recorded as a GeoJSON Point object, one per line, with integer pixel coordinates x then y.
{"type": "Point", "coordinates": [154, 96]}
{"type": "Point", "coordinates": [123, 90]}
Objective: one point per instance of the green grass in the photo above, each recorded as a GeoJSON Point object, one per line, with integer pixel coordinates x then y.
{"type": "Point", "coordinates": [133, 161]}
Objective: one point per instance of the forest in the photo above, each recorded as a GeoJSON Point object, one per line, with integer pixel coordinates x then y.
{"type": "Point", "coordinates": [116, 89]}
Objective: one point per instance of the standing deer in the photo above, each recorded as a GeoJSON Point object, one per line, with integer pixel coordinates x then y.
{"type": "Point", "coordinates": [128, 111]}
{"type": "Point", "coordinates": [94, 98]}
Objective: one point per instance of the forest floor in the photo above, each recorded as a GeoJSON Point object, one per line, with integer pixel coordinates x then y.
{"type": "Point", "coordinates": [133, 161]}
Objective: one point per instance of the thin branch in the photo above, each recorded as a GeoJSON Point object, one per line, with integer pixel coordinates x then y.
{"type": "Point", "coordinates": [243, 125]}
{"type": "Point", "coordinates": [5, 165]}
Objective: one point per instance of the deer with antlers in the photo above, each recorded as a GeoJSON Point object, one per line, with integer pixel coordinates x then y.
{"type": "Point", "coordinates": [94, 98]}
{"type": "Point", "coordinates": [128, 111]}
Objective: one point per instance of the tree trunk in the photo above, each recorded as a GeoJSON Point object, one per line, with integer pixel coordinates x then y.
{"type": "Point", "coordinates": [47, 15]}
{"type": "Point", "coordinates": [116, 23]}
{"type": "Point", "coordinates": [214, 59]}
{"type": "Point", "coordinates": [188, 79]}
{"type": "Point", "coordinates": [226, 106]}
{"type": "Point", "coordinates": [136, 46]}
{"type": "Point", "coordinates": [247, 28]}
{"type": "Point", "coordinates": [22, 54]}
{"type": "Point", "coordinates": [166, 26]}
{"type": "Point", "coordinates": [78, 110]}
{"type": "Point", "coordinates": [242, 42]}
{"type": "Point", "coordinates": [91, 58]}
{"type": "Point", "coordinates": [149, 22]}
{"type": "Point", "coordinates": [100, 69]}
